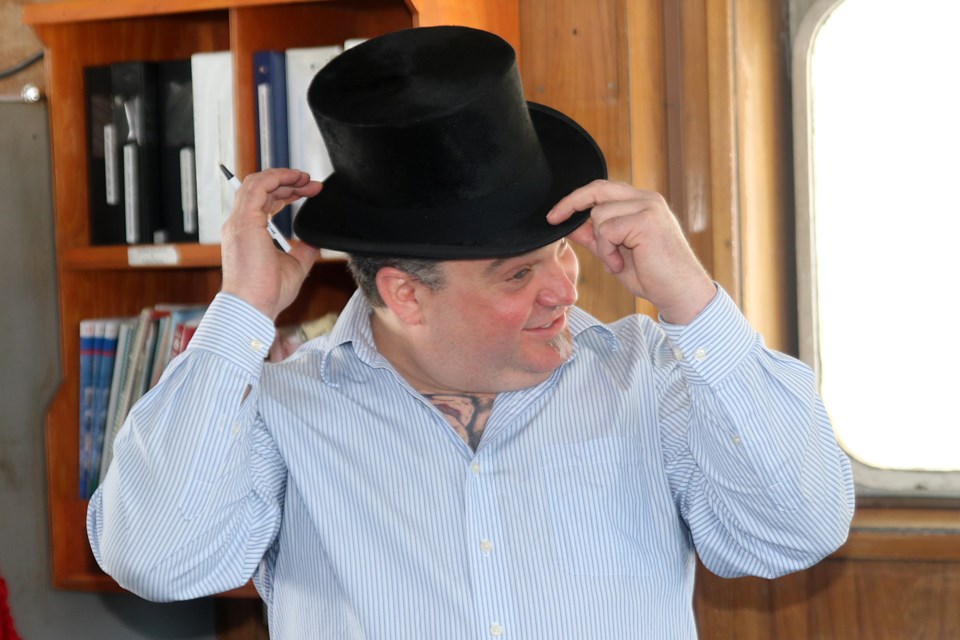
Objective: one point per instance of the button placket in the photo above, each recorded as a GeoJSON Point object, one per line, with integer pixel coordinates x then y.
{"type": "Point", "coordinates": [484, 531]}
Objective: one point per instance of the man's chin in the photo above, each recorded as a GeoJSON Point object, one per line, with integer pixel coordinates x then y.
{"type": "Point", "coordinates": [562, 343]}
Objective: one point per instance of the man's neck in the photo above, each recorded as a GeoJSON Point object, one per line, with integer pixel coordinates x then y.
{"type": "Point", "coordinates": [467, 413]}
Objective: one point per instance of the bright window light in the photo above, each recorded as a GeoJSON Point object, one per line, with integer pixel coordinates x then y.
{"type": "Point", "coordinates": [884, 98]}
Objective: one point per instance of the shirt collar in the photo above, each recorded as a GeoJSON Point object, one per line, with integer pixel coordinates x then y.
{"type": "Point", "coordinates": [583, 324]}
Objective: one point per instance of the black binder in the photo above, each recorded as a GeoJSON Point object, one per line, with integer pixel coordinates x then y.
{"type": "Point", "coordinates": [178, 174]}
{"type": "Point", "coordinates": [105, 186]}
{"type": "Point", "coordinates": [136, 119]}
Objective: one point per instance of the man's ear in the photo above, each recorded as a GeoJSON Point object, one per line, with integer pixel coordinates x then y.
{"type": "Point", "coordinates": [400, 292]}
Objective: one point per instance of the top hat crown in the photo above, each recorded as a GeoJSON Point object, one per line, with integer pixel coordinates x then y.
{"type": "Point", "coordinates": [436, 153]}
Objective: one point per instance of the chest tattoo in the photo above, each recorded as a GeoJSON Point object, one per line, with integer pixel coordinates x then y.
{"type": "Point", "coordinates": [466, 413]}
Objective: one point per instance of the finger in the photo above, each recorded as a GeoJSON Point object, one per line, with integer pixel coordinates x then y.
{"type": "Point", "coordinates": [609, 240]}
{"type": "Point", "coordinates": [281, 185]}
{"type": "Point", "coordinates": [588, 196]}
{"type": "Point", "coordinates": [284, 196]}
{"type": "Point", "coordinates": [271, 179]}
{"type": "Point", "coordinates": [584, 236]}
{"type": "Point", "coordinates": [589, 237]}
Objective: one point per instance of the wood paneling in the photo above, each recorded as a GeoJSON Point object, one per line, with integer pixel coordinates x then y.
{"type": "Point", "coordinates": [571, 60]}
{"type": "Point", "coordinates": [240, 620]}
{"type": "Point", "coordinates": [765, 181]}
{"type": "Point", "coordinates": [729, 153]}
{"type": "Point", "coordinates": [838, 599]}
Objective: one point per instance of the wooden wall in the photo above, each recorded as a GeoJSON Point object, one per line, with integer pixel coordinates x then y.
{"type": "Point", "coordinates": [688, 98]}
{"type": "Point", "coordinates": [569, 54]}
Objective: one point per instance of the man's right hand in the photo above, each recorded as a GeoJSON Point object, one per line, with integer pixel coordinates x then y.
{"type": "Point", "coordinates": [254, 269]}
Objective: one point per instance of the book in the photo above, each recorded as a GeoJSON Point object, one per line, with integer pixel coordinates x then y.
{"type": "Point", "coordinates": [134, 87]}
{"type": "Point", "coordinates": [145, 360]}
{"type": "Point", "coordinates": [306, 147]}
{"type": "Point", "coordinates": [103, 374]}
{"type": "Point", "coordinates": [270, 105]}
{"type": "Point", "coordinates": [178, 174]}
{"type": "Point", "coordinates": [167, 333]}
{"type": "Point", "coordinates": [155, 359]}
{"type": "Point", "coordinates": [117, 381]}
{"type": "Point", "coordinates": [88, 329]}
{"type": "Point", "coordinates": [144, 346]}
{"type": "Point", "coordinates": [214, 139]}
{"type": "Point", "coordinates": [131, 378]}
{"type": "Point", "coordinates": [182, 335]}
{"type": "Point", "coordinates": [103, 168]}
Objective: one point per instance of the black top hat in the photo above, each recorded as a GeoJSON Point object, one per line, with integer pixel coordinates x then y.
{"type": "Point", "coordinates": [435, 152]}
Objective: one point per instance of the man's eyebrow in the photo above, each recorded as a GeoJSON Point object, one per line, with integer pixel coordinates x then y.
{"type": "Point", "coordinates": [495, 264]}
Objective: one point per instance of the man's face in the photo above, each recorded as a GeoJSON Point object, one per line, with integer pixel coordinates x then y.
{"type": "Point", "coordinates": [500, 325]}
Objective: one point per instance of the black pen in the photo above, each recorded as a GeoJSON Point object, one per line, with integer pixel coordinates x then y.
{"type": "Point", "coordinates": [271, 228]}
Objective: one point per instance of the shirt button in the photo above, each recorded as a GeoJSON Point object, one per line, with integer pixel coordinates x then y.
{"type": "Point", "coordinates": [736, 439]}
{"type": "Point", "coordinates": [256, 345]}
{"type": "Point", "coordinates": [475, 468]}
{"type": "Point", "coordinates": [486, 546]}
{"type": "Point", "coordinates": [700, 354]}
{"type": "Point", "coordinates": [496, 630]}
{"type": "Point", "coordinates": [677, 354]}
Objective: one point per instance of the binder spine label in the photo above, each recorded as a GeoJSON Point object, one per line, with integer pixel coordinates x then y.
{"type": "Point", "coordinates": [131, 193]}
{"type": "Point", "coordinates": [188, 189]}
{"type": "Point", "coordinates": [266, 123]}
{"type": "Point", "coordinates": [110, 162]}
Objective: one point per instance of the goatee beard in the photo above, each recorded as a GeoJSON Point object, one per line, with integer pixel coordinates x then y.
{"type": "Point", "coordinates": [562, 343]}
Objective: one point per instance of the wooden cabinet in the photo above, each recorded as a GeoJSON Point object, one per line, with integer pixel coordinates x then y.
{"type": "Point", "coordinates": [99, 281]}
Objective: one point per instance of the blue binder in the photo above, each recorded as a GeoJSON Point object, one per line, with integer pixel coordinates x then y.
{"type": "Point", "coordinates": [270, 87]}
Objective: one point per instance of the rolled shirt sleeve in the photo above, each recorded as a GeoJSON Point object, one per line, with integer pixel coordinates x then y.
{"type": "Point", "coordinates": [193, 494]}
{"type": "Point", "coordinates": [750, 451]}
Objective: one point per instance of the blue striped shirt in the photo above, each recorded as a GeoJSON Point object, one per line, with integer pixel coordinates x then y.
{"type": "Point", "coordinates": [360, 513]}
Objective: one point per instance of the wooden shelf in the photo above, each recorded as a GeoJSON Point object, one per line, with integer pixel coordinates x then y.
{"type": "Point", "coordinates": [166, 256]}
{"type": "Point", "coordinates": [903, 533]}
{"type": "Point", "coordinates": [90, 10]}
{"type": "Point", "coordinates": [119, 280]}
{"type": "Point", "coordinates": [142, 256]}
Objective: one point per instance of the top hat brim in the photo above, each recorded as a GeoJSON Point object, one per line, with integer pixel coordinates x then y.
{"type": "Point", "coordinates": [493, 226]}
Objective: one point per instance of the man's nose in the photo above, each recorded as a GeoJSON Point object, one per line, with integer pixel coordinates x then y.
{"type": "Point", "coordinates": [559, 288]}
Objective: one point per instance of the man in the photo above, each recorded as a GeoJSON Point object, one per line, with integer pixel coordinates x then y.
{"type": "Point", "coordinates": [467, 454]}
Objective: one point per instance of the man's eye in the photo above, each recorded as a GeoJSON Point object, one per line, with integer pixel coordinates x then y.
{"type": "Point", "coordinates": [520, 275]}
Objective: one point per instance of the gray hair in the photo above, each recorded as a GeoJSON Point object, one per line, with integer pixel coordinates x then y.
{"type": "Point", "coordinates": [364, 269]}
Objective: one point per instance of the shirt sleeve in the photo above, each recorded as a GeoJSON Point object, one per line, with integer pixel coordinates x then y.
{"type": "Point", "coordinates": [749, 450]}
{"type": "Point", "coordinates": [193, 496]}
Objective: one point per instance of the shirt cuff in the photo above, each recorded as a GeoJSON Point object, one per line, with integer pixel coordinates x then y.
{"type": "Point", "coordinates": [235, 330]}
{"type": "Point", "coordinates": [714, 343]}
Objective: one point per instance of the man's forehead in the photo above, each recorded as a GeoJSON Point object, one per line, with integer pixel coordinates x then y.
{"type": "Point", "coordinates": [495, 263]}
{"type": "Point", "coordinates": [489, 266]}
